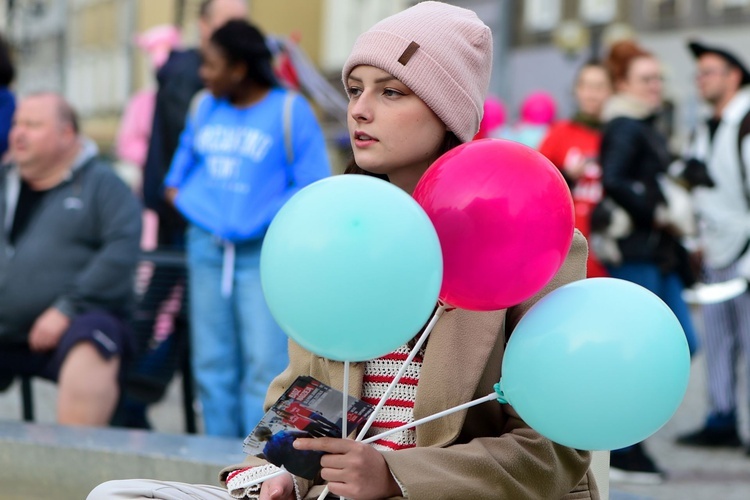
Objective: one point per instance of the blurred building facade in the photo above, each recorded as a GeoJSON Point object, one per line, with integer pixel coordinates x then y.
{"type": "Point", "coordinates": [550, 39]}
{"type": "Point", "coordinates": [84, 48]}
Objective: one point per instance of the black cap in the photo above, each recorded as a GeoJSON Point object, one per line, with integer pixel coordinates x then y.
{"type": "Point", "coordinates": [698, 49]}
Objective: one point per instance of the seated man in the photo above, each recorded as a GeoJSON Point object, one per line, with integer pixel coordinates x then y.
{"type": "Point", "coordinates": [68, 253]}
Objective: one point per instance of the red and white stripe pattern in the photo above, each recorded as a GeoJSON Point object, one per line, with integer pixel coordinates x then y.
{"type": "Point", "coordinates": [399, 409]}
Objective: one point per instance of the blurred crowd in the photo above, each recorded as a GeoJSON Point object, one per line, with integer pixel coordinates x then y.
{"type": "Point", "coordinates": [76, 241]}
{"type": "Point", "coordinates": [673, 221]}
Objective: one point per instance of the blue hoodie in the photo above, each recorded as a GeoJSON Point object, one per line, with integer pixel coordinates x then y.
{"type": "Point", "coordinates": [231, 166]}
{"type": "Point", "coordinates": [7, 109]}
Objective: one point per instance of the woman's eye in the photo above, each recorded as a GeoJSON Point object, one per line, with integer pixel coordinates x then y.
{"type": "Point", "coordinates": [353, 91]}
{"type": "Point", "coordinates": [392, 93]}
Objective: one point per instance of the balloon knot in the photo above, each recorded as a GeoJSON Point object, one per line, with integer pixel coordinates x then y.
{"type": "Point", "coordinates": [500, 394]}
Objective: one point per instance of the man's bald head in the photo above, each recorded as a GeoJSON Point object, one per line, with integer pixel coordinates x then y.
{"type": "Point", "coordinates": [215, 13]}
{"type": "Point", "coordinates": [44, 135]}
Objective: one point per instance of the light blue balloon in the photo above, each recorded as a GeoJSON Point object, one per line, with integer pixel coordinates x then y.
{"type": "Point", "coordinates": [597, 364]}
{"type": "Point", "coordinates": [351, 267]}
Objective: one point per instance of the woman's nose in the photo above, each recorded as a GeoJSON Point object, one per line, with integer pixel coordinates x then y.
{"type": "Point", "coordinates": [360, 108]}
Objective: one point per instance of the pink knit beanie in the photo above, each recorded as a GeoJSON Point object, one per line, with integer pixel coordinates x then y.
{"type": "Point", "coordinates": [443, 53]}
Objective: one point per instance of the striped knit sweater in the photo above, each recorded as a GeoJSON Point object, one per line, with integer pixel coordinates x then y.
{"type": "Point", "coordinates": [399, 409]}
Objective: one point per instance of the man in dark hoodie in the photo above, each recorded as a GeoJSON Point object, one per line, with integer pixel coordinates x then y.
{"type": "Point", "coordinates": [68, 252]}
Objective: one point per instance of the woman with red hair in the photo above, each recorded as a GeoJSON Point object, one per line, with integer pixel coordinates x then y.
{"type": "Point", "coordinates": [647, 250]}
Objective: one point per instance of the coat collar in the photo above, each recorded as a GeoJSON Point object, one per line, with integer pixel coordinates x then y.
{"type": "Point", "coordinates": [457, 354]}
{"type": "Point", "coordinates": [737, 108]}
{"type": "Point", "coordinates": [623, 105]}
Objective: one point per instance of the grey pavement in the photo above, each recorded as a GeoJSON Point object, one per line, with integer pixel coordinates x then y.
{"type": "Point", "coordinates": [693, 473]}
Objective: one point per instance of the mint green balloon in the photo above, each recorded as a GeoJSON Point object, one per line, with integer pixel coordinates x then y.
{"type": "Point", "coordinates": [598, 364]}
{"type": "Point", "coordinates": [351, 267]}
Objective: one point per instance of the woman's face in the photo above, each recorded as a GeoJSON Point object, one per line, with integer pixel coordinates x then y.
{"type": "Point", "coordinates": [219, 76]}
{"type": "Point", "coordinates": [392, 131]}
{"type": "Point", "coordinates": [644, 81]}
{"type": "Point", "coordinates": [593, 88]}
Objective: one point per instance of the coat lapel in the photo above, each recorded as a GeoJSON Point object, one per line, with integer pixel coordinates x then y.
{"type": "Point", "coordinates": [457, 353]}
{"type": "Point", "coordinates": [333, 371]}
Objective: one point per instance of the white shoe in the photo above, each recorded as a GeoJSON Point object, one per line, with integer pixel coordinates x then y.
{"type": "Point", "coordinates": [702, 293]}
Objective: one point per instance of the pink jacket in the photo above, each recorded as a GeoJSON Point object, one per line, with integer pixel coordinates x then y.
{"type": "Point", "coordinates": [135, 128]}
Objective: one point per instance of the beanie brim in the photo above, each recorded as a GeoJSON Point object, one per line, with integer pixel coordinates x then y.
{"type": "Point", "coordinates": [421, 73]}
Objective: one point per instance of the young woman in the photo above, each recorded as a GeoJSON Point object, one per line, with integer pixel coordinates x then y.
{"type": "Point", "coordinates": [248, 147]}
{"type": "Point", "coordinates": [573, 145]}
{"type": "Point", "coordinates": [416, 83]}
{"type": "Point", "coordinates": [633, 154]}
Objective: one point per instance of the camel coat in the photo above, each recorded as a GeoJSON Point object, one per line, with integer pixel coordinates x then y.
{"type": "Point", "coordinates": [485, 452]}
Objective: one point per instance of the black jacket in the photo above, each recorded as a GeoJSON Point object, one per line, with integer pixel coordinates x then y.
{"type": "Point", "coordinates": [633, 154]}
{"type": "Point", "coordinates": [178, 82]}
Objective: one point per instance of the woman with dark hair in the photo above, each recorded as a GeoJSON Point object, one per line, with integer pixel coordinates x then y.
{"type": "Point", "coordinates": [7, 99]}
{"type": "Point", "coordinates": [416, 83]}
{"type": "Point", "coordinates": [573, 146]}
{"type": "Point", "coordinates": [249, 145]}
{"type": "Point", "coordinates": [634, 154]}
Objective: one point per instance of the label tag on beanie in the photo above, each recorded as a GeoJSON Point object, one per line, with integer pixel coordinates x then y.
{"type": "Point", "coordinates": [410, 50]}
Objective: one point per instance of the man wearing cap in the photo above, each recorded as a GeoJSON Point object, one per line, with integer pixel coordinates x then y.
{"type": "Point", "coordinates": [722, 204]}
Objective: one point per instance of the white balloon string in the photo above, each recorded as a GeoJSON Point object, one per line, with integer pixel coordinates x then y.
{"type": "Point", "coordinates": [422, 339]}
{"type": "Point", "coordinates": [324, 493]}
{"type": "Point", "coordinates": [345, 403]}
{"type": "Point", "coordinates": [489, 397]}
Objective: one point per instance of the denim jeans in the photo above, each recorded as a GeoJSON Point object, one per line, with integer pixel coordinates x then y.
{"type": "Point", "coordinates": [237, 348]}
{"type": "Point", "coordinates": [668, 287]}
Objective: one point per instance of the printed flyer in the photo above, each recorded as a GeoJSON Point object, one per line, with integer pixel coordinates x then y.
{"type": "Point", "coordinates": [309, 408]}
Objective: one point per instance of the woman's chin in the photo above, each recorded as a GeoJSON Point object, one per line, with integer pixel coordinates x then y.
{"type": "Point", "coordinates": [369, 166]}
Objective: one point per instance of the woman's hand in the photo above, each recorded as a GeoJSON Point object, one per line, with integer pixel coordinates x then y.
{"type": "Point", "coordinates": [278, 488]}
{"type": "Point", "coordinates": [47, 330]}
{"type": "Point", "coordinates": [353, 469]}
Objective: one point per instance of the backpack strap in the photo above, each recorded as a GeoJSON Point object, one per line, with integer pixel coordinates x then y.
{"type": "Point", "coordinates": [195, 102]}
{"type": "Point", "coordinates": [288, 144]}
{"type": "Point", "coordinates": [744, 131]}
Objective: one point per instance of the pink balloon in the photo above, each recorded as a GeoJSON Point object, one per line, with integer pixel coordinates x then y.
{"type": "Point", "coordinates": [538, 108]}
{"type": "Point", "coordinates": [504, 217]}
{"type": "Point", "coordinates": [493, 117]}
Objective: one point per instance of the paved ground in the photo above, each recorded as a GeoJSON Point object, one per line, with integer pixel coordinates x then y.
{"type": "Point", "coordinates": [693, 474]}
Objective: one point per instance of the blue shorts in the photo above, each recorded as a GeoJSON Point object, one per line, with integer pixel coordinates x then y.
{"type": "Point", "coordinates": [105, 331]}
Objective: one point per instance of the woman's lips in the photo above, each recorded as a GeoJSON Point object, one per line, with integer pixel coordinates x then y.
{"type": "Point", "coordinates": [362, 139]}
